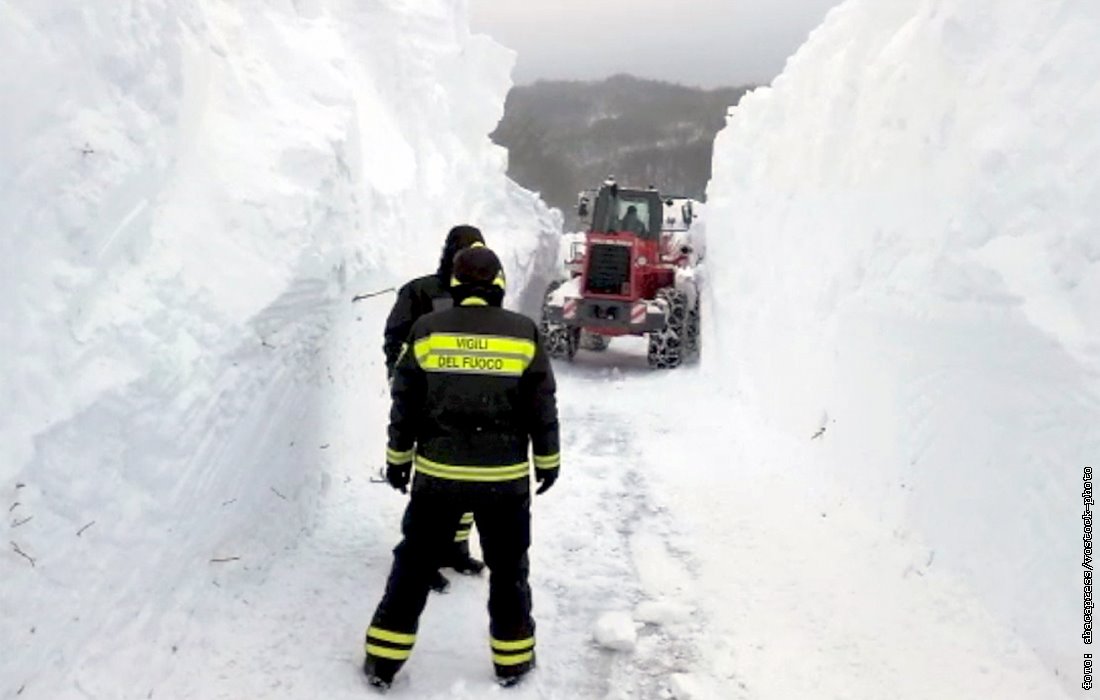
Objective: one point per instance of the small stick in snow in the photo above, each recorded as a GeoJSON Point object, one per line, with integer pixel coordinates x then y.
{"type": "Point", "coordinates": [81, 530]}
{"type": "Point", "coordinates": [273, 490]}
{"type": "Point", "coordinates": [13, 506]}
{"type": "Point", "coordinates": [360, 297]}
{"type": "Point", "coordinates": [24, 521]}
{"type": "Point", "coordinates": [222, 560]}
{"type": "Point", "coordinates": [819, 433]}
{"type": "Point", "coordinates": [381, 478]}
{"type": "Point", "coordinates": [325, 446]}
{"type": "Point", "coordinates": [231, 500]}
{"type": "Point", "coordinates": [23, 554]}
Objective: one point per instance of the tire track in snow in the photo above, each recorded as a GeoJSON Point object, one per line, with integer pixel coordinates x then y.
{"type": "Point", "coordinates": [620, 548]}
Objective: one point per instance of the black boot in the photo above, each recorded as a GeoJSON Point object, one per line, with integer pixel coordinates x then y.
{"type": "Point", "coordinates": [514, 676]}
{"type": "Point", "coordinates": [378, 684]}
{"type": "Point", "coordinates": [509, 681]}
{"type": "Point", "coordinates": [461, 561]}
{"type": "Point", "coordinates": [378, 678]}
{"type": "Point", "coordinates": [468, 566]}
{"type": "Point", "coordinates": [439, 583]}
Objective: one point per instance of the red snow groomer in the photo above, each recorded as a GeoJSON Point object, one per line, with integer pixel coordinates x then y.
{"type": "Point", "coordinates": [628, 276]}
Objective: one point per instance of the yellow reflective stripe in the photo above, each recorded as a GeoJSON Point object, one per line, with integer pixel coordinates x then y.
{"type": "Point", "coordinates": [396, 457]}
{"type": "Point", "coordinates": [474, 342]}
{"type": "Point", "coordinates": [465, 524]}
{"type": "Point", "coordinates": [474, 363]}
{"type": "Point", "coordinates": [499, 279]}
{"type": "Point", "coordinates": [507, 472]}
{"type": "Point", "coordinates": [388, 653]}
{"type": "Point", "coordinates": [513, 659]}
{"type": "Point", "coordinates": [474, 301]}
{"type": "Point", "coordinates": [474, 354]}
{"type": "Point", "coordinates": [387, 636]}
{"type": "Point", "coordinates": [421, 348]}
{"type": "Point", "coordinates": [548, 461]}
{"type": "Point", "coordinates": [516, 645]}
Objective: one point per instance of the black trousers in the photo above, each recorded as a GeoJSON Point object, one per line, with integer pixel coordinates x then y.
{"type": "Point", "coordinates": [504, 526]}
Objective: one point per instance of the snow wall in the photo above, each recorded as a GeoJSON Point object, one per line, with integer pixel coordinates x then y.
{"type": "Point", "coordinates": [905, 264]}
{"type": "Point", "coordinates": [188, 188]}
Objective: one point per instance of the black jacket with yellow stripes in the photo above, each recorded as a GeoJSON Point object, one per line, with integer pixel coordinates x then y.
{"type": "Point", "coordinates": [473, 392]}
{"type": "Point", "coordinates": [416, 298]}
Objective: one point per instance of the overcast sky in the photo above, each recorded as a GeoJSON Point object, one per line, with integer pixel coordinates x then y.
{"type": "Point", "coordinates": [697, 42]}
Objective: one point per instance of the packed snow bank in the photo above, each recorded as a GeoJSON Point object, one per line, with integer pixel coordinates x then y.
{"type": "Point", "coordinates": [187, 187]}
{"type": "Point", "coordinates": [905, 225]}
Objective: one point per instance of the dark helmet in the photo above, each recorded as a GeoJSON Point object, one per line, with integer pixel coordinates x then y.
{"type": "Point", "coordinates": [478, 273]}
{"type": "Point", "coordinates": [459, 237]}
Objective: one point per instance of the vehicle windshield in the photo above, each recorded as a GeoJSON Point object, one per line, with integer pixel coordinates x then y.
{"type": "Point", "coordinates": [628, 211]}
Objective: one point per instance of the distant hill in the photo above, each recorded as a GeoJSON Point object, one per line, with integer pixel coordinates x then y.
{"type": "Point", "coordinates": [563, 136]}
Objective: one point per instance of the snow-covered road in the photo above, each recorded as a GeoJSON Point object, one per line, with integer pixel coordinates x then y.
{"type": "Point", "coordinates": [742, 580]}
{"type": "Point", "coordinates": [291, 626]}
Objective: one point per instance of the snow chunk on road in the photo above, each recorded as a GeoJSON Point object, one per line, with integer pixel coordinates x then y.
{"type": "Point", "coordinates": [662, 612]}
{"type": "Point", "coordinates": [615, 630]}
{"type": "Point", "coordinates": [684, 686]}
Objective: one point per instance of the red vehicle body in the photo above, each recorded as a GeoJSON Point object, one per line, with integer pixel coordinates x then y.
{"type": "Point", "coordinates": [624, 281]}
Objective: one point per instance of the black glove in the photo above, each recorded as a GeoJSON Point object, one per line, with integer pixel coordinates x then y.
{"type": "Point", "coordinates": [398, 475]}
{"type": "Point", "coordinates": [546, 479]}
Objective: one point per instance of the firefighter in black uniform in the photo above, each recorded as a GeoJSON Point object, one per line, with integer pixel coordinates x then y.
{"type": "Point", "coordinates": [418, 297]}
{"type": "Point", "coordinates": [473, 393]}
{"type": "Point", "coordinates": [425, 294]}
